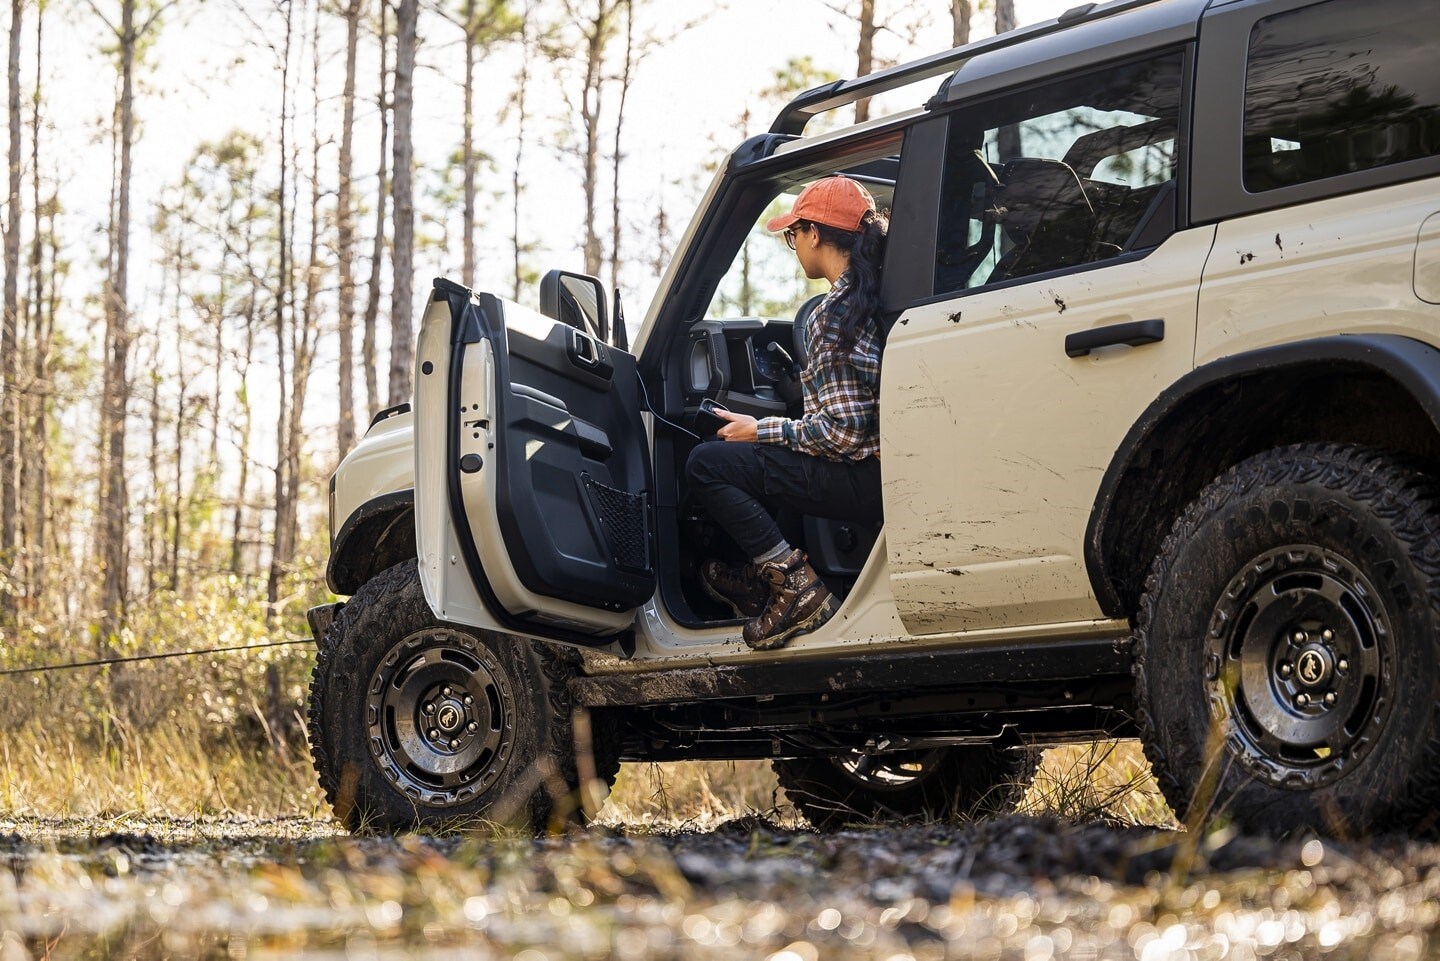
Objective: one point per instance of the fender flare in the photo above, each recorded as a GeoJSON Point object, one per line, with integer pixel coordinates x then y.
{"type": "Point", "coordinates": [345, 571]}
{"type": "Point", "coordinates": [1412, 364]}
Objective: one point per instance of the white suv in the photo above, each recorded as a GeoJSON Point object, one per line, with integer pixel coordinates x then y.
{"type": "Point", "coordinates": [1160, 427]}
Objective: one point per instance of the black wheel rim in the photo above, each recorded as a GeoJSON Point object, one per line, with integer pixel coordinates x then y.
{"type": "Point", "coordinates": [1299, 660]}
{"type": "Point", "coordinates": [890, 772]}
{"type": "Point", "coordinates": [441, 717]}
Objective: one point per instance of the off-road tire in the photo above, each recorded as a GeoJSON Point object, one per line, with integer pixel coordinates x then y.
{"type": "Point", "coordinates": [955, 782]}
{"type": "Point", "coordinates": [1248, 581]}
{"type": "Point", "coordinates": [530, 782]}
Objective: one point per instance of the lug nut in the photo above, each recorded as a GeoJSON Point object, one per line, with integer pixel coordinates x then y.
{"type": "Point", "coordinates": [434, 734]}
{"type": "Point", "coordinates": [469, 700]}
{"type": "Point", "coordinates": [430, 708]}
{"type": "Point", "coordinates": [445, 691]}
{"type": "Point", "coordinates": [472, 727]}
{"type": "Point", "coordinates": [1328, 634]}
{"type": "Point", "coordinates": [454, 745]}
{"type": "Point", "coordinates": [1343, 665]}
{"type": "Point", "coordinates": [1329, 698]}
{"type": "Point", "coordinates": [1300, 637]}
{"type": "Point", "coordinates": [1286, 670]}
{"type": "Point", "coordinates": [1302, 700]}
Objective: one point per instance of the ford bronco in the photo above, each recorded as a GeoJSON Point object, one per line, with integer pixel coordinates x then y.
{"type": "Point", "coordinates": [1160, 427]}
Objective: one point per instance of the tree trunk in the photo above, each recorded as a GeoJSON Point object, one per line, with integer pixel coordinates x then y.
{"type": "Point", "coordinates": [401, 333]}
{"type": "Point", "coordinates": [865, 55]}
{"type": "Point", "coordinates": [377, 249]}
{"type": "Point", "coordinates": [616, 155]}
{"type": "Point", "coordinates": [182, 379]}
{"type": "Point", "coordinates": [521, 105]}
{"type": "Point", "coordinates": [242, 484]}
{"type": "Point", "coordinates": [114, 499]}
{"type": "Point", "coordinates": [37, 445]}
{"type": "Point", "coordinates": [1004, 16]}
{"type": "Point", "coordinates": [150, 504]}
{"type": "Point", "coordinates": [1007, 138]}
{"type": "Point", "coordinates": [345, 234]}
{"type": "Point", "coordinates": [9, 331]}
{"type": "Point", "coordinates": [306, 329]}
{"type": "Point", "coordinates": [960, 11]}
{"type": "Point", "coordinates": [281, 548]}
{"type": "Point", "coordinates": [217, 334]}
{"type": "Point", "coordinates": [467, 150]}
{"type": "Point", "coordinates": [597, 35]}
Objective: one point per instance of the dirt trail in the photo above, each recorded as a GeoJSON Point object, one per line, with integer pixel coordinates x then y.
{"type": "Point", "coordinates": [1023, 888]}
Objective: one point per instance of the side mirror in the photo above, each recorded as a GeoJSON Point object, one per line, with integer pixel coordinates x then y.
{"type": "Point", "coordinates": [577, 300]}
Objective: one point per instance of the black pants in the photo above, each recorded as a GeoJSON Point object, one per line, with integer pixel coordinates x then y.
{"type": "Point", "coordinates": [743, 484]}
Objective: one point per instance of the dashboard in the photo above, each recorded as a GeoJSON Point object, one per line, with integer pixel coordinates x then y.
{"type": "Point", "coordinates": [744, 363]}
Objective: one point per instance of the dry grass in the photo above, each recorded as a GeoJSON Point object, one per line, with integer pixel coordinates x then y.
{"type": "Point", "coordinates": [160, 771]}
{"type": "Point", "coordinates": [171, 771]}
{"type": "Point", "coordinates": [696, 794]}
{"type": "Point", "coordinates": [1105, 780]}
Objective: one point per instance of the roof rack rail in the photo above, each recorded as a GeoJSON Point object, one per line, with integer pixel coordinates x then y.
{"type": "Point", "coordinates": [799, 111]}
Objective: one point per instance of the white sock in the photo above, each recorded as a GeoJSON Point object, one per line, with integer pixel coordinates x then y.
{"type": "Point", "coordinates": [777, 553]}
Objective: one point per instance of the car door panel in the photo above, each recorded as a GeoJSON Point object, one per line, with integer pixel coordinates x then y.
{"type": "Point", "coordinates": [532, 472]}
{"type": "Point", "coordinates": [994, 440]}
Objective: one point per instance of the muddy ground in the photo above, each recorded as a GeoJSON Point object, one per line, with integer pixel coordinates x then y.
{"type": "Point", "coordinates": [1017, 887]}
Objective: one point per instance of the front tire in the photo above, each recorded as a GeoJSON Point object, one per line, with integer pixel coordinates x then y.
{"type": "Point", "coordinates": [935, 785]}
{"type": "Point", "coordinates": [418, 724]}
{"type": "Point", "coordinates": [1288, 642]}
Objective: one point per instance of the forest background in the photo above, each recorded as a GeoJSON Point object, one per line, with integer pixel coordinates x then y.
{"type": "Point", "coordinates": [218, 219]}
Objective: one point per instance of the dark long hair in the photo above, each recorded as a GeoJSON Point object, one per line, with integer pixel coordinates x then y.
{"type": "Point", "coordinates": [865, 247]}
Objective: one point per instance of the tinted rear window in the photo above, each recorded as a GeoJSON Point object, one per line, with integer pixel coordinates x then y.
{"type": "Point", "coordinates": [1341, 86]}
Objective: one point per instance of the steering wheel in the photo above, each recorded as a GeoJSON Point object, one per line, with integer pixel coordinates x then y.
{"type": "Point", "coordinates": [799, 336]}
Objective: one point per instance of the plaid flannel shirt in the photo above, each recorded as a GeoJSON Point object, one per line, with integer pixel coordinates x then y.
{"type": "Point", "coordinates": [842, 394]}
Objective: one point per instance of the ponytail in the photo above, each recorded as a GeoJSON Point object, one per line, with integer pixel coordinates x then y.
{"type": "Point", "coordinates": [865, 247]}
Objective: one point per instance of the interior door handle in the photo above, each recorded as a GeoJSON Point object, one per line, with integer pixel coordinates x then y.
{"type": "Point", "coordinates": [1135, 333]}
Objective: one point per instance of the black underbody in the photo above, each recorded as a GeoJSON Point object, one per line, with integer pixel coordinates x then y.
{"type": "Point", "coordinates": [1039, 693]}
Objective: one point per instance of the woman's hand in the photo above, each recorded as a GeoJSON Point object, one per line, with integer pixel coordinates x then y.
{"type": "Point", "coordinates": [740, 428]}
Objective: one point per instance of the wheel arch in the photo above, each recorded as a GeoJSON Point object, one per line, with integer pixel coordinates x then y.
{"type": "Point", "coordinates": [377, 536]}
{"type": "Point", "coordinates": [1381, 390]}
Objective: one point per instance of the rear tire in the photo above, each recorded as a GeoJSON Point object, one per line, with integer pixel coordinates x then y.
{"type": "Point", "coordinates": [933, 785]}
{"type": "Point", "coordinates": [418, 724]}
{"type": "Point", "coordinates": [1288, 647]}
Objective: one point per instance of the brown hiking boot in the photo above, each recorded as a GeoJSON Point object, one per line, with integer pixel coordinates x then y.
{"type": "Point", "coordinates": [738, 585]}
{"type": "Point", "coordinates": [799, 603]}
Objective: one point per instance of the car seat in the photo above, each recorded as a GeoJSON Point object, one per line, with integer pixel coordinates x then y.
{"type": "Point", "coordinates": [1046, 215]}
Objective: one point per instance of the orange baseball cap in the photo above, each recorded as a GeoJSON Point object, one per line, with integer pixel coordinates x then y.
{"type": "Point", "coordinates": [837, 202]}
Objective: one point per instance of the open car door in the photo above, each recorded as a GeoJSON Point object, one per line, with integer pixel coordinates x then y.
{"type": "Point", "coordinates": [532, 473]}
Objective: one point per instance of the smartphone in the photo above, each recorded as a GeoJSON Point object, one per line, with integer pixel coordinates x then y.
{"type": "Point", "coordinates": [707, 421]}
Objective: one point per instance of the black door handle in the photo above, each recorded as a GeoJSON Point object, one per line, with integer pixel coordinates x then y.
{"type": "Point", "coordinates": [1135, 333]}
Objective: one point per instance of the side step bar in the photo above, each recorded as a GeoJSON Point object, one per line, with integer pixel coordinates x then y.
{"type": "Point", "coordinates": [1043, 662]}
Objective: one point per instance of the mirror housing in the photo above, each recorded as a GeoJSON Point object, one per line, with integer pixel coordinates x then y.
{"type": "Point", "coordinates": [577, 300]}
{"type": "Point", "coordinates": [622, 336]}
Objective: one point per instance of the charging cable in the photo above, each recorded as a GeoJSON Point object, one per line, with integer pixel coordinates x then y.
{"type": "Point", "coordinates": [656, 414]}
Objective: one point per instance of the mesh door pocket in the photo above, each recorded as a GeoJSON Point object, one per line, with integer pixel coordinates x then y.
{"type": "Point", "coordinates": [625, 521]}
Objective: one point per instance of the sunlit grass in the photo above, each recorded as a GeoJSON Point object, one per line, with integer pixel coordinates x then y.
{"type": "Point", "coordinates": [161, 771]}
{"type": "Point", "coordinates": [1106, 780]}
{"type": "Point", "coordinates": [696, 794]}
{"type": "Point", "coordinates": [172, 771]}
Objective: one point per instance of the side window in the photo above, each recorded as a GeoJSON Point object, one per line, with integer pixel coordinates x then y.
{"type": "Point", "coordinates": [764, 279]}
{"type": "Point", "coordinates": [1335, 87]}
{"type": "Point", "coordinates": [1057, 176]}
